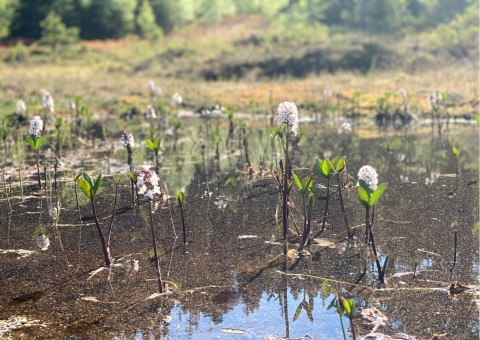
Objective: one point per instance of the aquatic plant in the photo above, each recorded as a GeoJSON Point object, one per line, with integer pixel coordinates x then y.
{"type": "Point", "coordinates": [47, 102]}
{"type": "Point", "coordinates": [347, 307]}
{"type": "Point", "coordinates": [326, 171]}
{"type": "Point", "coordinates": [305, 188]}
{"type": "Point", "coordinates": [36, 140]}
{"type": "Point", "coordinates": [337, 164]}
{"type": "Point", "coordinates": [20, 107]}
{"type": "Point", "coordinates": [149, 186]}
{"type": "Point", "coordinates": [90, 189]}
{"type": "Point", "coordinates": [4, 133]}
{"type": "Point", "coordinates": [57, 124]}
{"type": "Point", "coordinates": [177, 99]}
{"type": "Point", "coordinates": [154, 146]}
{"type": "Point", "coordinates": [287, 120]}
{"type": "Point", "coordinates": [216, 140]}
{"type": "Point", "coordinates": [181, 203]}
{"type": "Point", "coordinates": [369, 192]}
{"type": "Point", "coordinates": [127, 140]}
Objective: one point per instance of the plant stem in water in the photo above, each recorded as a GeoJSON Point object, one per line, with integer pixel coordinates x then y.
{"type": "Point", "coordinates": [157, 264]}
{"type": "Point", "coordinates": [105, 246]}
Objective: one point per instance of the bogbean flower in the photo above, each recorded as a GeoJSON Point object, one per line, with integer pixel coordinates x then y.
{"type": "Point", "coordinates": [148, 184]}
{"type": "Point", "coordinates": [151, 86]}
{"type": "Point", "coordinates": [369, 175]}
{"type": "Point", "coordinates": [21, 107]}
{"type": "Point", "coordinates": [150, 113]}
{"type": "Point", "coordinates": [432, 179]}
{"type": "Point", "coordinates": [288, 114]}
{"type": "Point", "coordinates": [127, 139]}
{"type": "Point", "coordinates": [327, 92]}
{"type": "Point", "coordinates": [435, 98]}
{"type": "Point", "coordinates": [344, 125]}
{"type": "Point", "coordinates": [71, 105]}
{"type": "Point", "coordinates": [47, 101]}
{"type": "Point", "coordinates": [177, 99]}
{"type": "Point", "coordinates": [36, 126]}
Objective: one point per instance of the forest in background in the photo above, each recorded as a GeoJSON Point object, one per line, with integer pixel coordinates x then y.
{"type": "Point", "coordinates": [66, 21]}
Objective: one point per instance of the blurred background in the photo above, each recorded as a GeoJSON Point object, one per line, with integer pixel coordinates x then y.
{"type": "Point", "coordinates": [242, 40]}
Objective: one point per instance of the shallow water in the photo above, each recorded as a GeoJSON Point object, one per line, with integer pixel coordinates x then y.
{"type": "Point", "coordinates": [231, 280]}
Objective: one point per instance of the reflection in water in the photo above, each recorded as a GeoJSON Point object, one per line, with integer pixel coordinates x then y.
{"type": "Point", "coordinates": [227, 285]}
{"type": "Point", "coordinates": [43, 242]}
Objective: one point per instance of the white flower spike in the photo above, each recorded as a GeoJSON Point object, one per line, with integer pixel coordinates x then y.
{"type": "Point", "coordinates": [288, 114]}
{"type": "Point", "coordinates": [369, 175]}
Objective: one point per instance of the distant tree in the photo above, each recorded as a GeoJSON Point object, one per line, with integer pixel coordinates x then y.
{"type": "Point", "coordinates": [170, 14]}
{"type": "Point", "coordinates": [211, 11]}
{"type": "Point", "coordinates": [380, 16]}
{"type": "Point", "coordinates": [106, 19]}
{"type": "Point", "coordinates": [7, 11]}
{"type": "Point", "coordinates": [54, 31]}
{"type": "Point", "coordinates": [27, 17]}
{"type": "Point", "coordinates": [146, 25]}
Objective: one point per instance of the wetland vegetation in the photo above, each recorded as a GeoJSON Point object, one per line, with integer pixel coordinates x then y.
{"type": "Point", "coordinates": [230, 180]}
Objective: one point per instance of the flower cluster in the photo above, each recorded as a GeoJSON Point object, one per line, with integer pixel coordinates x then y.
{"type": "Point", "coordinates": [327, 93]}
{"type": "Point", "coordinates": [155, 91]}
{"type": "Point", "coordinates": [47, 101]}
{"type": "Point", "coordinates": [21, 107]}
{"type": "Point", "coordinates": [435, 98]}
{"type": "Point", "coordinates": [369, 175]}
{"type": "Point", "coordinates": [177, 99]}
{"type": "Point", "coordinates": [150, 113]}
{"type": "Point", "coordinates": [36, 126]}
{"type": "Point", "coordinates": [127, 139]}
{"type": "Point", "coordinates": [148, 184]}
{"type": "Point", "coordinates": [288, 114]}
{"type": "Point", "coordinates": [71, 105]}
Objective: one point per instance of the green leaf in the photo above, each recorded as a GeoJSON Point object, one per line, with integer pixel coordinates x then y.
{"type": "Point", "coordinates": [96, 185]}
{"type": "Point", "coordinates": [31, 142]}
{"type": "Point", "coordinates": [180, 197]}
{"type": "Point", "coordinates": [307, 184]}
{"type": "Point", "coordinates": [150, 144]}
{"type": "Point", "coordinates": [365, 186]}
{"type": "Point", "coordinates": [83, 184]}
{"type": "Point", "coordinates": [455, 151]}
{"type": "Point", "coordinates": [88, 179]}
{"type": "Point", "coordinates": [39, 142]}
{"type": "Point", "coordinates": [297, 312]}
{"type": "Point", "coordinates": [273, 132]}
{"type": "Point", "coordinates": [377, 193]}
{"type": "Point", "coordinates": [132, 176]}
{"type": "Point", "coordinates": [340, 164]}
{"type": "Point", "coordinates": [332, 167]}
{"type": "Point", "coordinates": [346, 306]}
{"type": "Point", "coordinates": [476, 228]}
{"type": "Point", "coordinates": [297, 181]}
{"type": "Point", "coordinates": [363, 196]}
{"type": "Point", "coordinates": [351, 302]}
{"type": "Point", "coordinates": [325, 168]}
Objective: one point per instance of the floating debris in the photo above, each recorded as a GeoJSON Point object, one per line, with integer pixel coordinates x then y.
{"type": "Point", "coordinates": [247, 236]}
{"type": "Point", "coordinates": [17, 322]}
{"type": "Point", "coordinates": [233, 331]}
{"type": "Point", "coordinates": [457, 288]}
{"type": "Point", "coordinates": [21, 252]}
{"type": "Point", "coordinates": [324, 243]}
